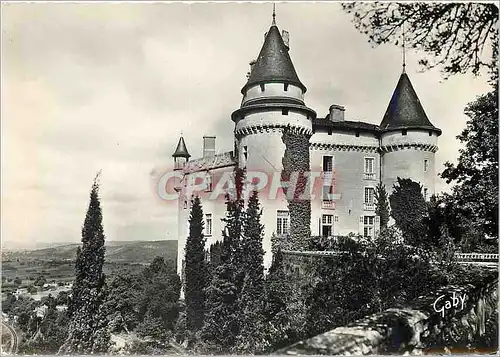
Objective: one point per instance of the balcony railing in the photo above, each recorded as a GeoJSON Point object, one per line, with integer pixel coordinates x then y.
{"type": "Point", "coordinates": [326, 204]}
{"type": "Point", "coordinates": [369, 207]}
{"type": "Point", "coordinates": [369, 176]}
{"type": "Point", "coordinates": [327, 176]}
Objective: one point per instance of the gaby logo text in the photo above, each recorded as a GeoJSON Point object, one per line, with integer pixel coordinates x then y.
{"type": "Point", "coordinates": [444, 303]}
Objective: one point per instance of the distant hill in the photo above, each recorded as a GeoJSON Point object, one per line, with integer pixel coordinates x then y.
{"type": "Point", "coordinates": [116, 251]}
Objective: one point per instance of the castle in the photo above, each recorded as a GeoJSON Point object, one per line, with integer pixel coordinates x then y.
{"type": "Point", "coordinates": [357, 155]}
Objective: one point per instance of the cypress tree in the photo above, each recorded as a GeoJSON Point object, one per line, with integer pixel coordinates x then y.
{"type": "Point", "coordinates": [87, 331]}
{"type": "Point", "coordinates": [277, 310]}
{"type": "Point", "coordinates": [221, 326]}
{"type": "Point", "coordinates": [252, 338]}
{"type": "Point", "coordinates": [382, 205]}
{"type": "Point", "coordinates": [195, 270]}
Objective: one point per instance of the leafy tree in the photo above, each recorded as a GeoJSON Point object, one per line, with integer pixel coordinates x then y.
{"type": "Point", "coordinates": [453, 34]}
{"type": "Point", "coordinates": [158, 304]}
{"type": "Point", "coordinates": [62, 298]}
{"type": "Point", "coordinates": [45, 334]}
{"type": "Point", "coordinates": [9, 302]}
{"type": "Point", "coordinates": [195, 269]}
{"type": "Point", "coordinates": [475, 194]}
{"type": "Point", "coordinates": [220, 327]}
{"type": "Point", "coordinates": [393, 273]}
{"type": "Point", "coordinates": [382, 208]}
{"type": "Point", "coordinates": [40, 281]}
{"type": "Point", "coordinates": [87, 332]}
{"type": "Point", "coordinates": [409, 209]}
{"type": "Point", "coordinates": [124, 292]}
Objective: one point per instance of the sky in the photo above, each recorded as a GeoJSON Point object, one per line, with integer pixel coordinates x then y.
{"type": "Point", "coordinates": [111, 86]}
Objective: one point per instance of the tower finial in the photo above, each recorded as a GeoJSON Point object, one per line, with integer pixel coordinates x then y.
{"type": "Point", "coordinates": [274, 14]}
{"type": "Point", "coordinates": [404, 50]}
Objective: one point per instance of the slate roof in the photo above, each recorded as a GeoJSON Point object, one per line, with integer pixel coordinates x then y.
{"type": "Point", "coordinates": [405, 110]}
{"type": "Point", "coordinates": [212, 162]}
{"type": "Point", "coordinates": [346, 125]}
{"type": "Point", "coordinates": [274, 63]}
{"type": "Point", "coordinates": [181, 150]}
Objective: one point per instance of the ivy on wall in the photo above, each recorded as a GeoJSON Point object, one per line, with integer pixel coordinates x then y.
{"type": "Point", "coordinates": [296, 160]}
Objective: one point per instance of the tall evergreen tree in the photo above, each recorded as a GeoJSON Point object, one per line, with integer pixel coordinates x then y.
{"type": "Point", "coordinates": [221, 325]}
{"type": "Point", "coordinates": [277, 297]}
{"type": "Point", "coordinates": [253, 232]}
{"type": "Point", "coordinates": [196, 269]}
{"type": "Point", "coordinates": [87, 331]}
{"type": "Point", "coordinates": [382, 205]}
{"type": "Point", "coordinates": [252, 337]}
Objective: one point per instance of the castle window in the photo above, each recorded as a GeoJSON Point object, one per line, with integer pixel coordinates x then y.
{"type": "Point", "coordinates": [327, 163]}
{"type": "Point", "coordinates": [329, 131]}
{"type": "Point", "coordinates": [357, 134]}
{"type": "Point", "coordinates": [282, 222]}
{"type": "Point", "coordinates": [284, 111]}
{"type": "Point", "coordinates": [369, 195]}
{"type": "Point", "coordinates": [208, 224]}
{"type": "Point", "coordinates": [425, 193]}
{"type": "Point", "coordinates": [430, 133]}
{"type": "Point", "coordinates": [286, 87]}
{"type": "Point", "coordinates": [369, 173]}
{"type": "Point", "coordinates": [262, 87]}
{"type": "Point", "coordinates": [369, 201]}
{"type": "Point", "coordinates": [426, 165]}
{"type": "Point", "coordinates": [404, 132]}
{"type": "Point", "coordinates": [327, 225]}
{"type": "Point", "coordinates": [369, 226]}
{"type": "Point", "coordinates": [369, 164]}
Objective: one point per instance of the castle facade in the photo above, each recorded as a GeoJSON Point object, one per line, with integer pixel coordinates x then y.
{"type": "Point", "coordinates": [357, 155]}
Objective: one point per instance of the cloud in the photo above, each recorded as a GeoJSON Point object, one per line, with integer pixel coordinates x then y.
{"type": "Point", "coordinates": [91, 86]}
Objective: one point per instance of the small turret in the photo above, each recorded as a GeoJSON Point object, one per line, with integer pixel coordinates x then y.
{"type": "Point", "coordinates": [408, 139]}
{"type": "Point", "coordinates": [405, 110]}
{"type": "Point", "coordinates": [181, 155]}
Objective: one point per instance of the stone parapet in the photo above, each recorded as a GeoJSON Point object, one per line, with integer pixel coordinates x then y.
{"type": "Point", "coordinates": [420, 327]}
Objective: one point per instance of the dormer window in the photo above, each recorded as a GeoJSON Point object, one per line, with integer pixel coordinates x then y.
{"type": "Point", "coordinates": [286, 87]}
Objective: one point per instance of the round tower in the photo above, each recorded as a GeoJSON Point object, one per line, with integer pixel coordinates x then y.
{"type": "Point", "coordinates": [273, 99]}
{"type": "Point", "coordinates": [408, 141]}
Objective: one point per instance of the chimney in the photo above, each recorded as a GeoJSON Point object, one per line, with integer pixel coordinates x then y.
{"type": "Point", "coordinates": [337, 112]}
{"type": "Point", "coordinates": [208, 146]}
{"type": "Point", "coordinates": [285, 35]}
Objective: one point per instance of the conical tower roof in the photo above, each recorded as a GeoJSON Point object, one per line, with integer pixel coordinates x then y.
{"type": "Point", "coordinates": [274, 63]}
{"type": "Point", "coordinates": [405, 110]}
{"type": "Point", "coordinates": [181, 150]}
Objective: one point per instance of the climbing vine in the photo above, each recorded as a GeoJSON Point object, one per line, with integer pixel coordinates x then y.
{"type": "Point", "coordinates": [296, 161]}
